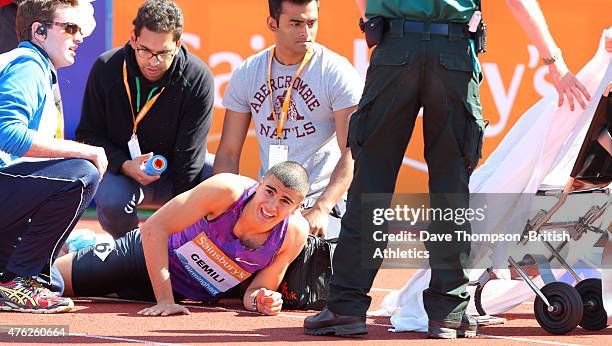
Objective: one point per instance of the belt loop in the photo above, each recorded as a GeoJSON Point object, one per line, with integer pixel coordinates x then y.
{"type": "Point", "coordinates": [454, 32]}
{"type": "Point", "coordinates": [396, 27]}
{"type": "Point", "coordinates": [426, 33]}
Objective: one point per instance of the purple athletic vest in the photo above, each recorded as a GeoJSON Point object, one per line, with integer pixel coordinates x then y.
{"type": "Point", "coordinates": [220, 232]}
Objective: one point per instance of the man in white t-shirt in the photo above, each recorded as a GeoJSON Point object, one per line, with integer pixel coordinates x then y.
{"type": "Point", "coordinates": [314, 93]}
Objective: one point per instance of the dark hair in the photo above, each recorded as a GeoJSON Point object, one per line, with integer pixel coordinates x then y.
{"type": "Point", "coordinates": [159, 16]}
{"type": "Point", "coordinates": [292, 175]}
{"type": "Point", "coordinates": [31, 11]}
{"type": "Point", "coordinates": [276, 6]}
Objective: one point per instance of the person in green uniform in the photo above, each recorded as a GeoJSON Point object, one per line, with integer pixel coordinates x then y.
{"type": "Point", "coordinates": [426, 58]}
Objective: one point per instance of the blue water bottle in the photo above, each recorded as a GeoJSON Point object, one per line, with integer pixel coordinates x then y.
{"type": "Point", "coordinates": [156, 165]}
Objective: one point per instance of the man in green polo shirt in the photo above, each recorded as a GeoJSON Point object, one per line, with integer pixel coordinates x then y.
{"type": "Point", "coordinates": [426, 58]}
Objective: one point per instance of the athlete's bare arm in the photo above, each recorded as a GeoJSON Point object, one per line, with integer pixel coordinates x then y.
{"type": "Point", "coordinates": [263, 288]}
{"type": "Point", "coordinates": [210, 198]}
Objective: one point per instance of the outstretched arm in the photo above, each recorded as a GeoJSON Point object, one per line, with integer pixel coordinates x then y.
{"type": "Point", "coordinates": [209, 198]}
{"type": "Point", "coordinates": [530, 17]}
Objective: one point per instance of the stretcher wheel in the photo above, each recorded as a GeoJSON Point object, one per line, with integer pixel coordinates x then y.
{"type": "Point", "coordinates": [566, 308]}
{"type": "Point", "coordinates": [594, 316]}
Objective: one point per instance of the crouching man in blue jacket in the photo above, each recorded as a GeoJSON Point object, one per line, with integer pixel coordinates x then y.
{"type": "Point", "coordinates": [46, 182]}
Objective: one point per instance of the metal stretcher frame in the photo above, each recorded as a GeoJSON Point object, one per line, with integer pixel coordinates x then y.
{"type": "Point", "coordinates": [559, 307]}
{"type": "Point", "coordinates": [607, 253]}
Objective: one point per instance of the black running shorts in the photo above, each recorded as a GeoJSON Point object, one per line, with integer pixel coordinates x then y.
{"type": "Point", "coordinates": [122, 272]}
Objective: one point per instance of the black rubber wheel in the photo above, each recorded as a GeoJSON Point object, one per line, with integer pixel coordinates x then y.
{"type": "Point", "coordinates": [478, 300]}
{"type": "Point", "coordinates": [566, 308]}
{"type": "Point", "coordinates": [594, 316]}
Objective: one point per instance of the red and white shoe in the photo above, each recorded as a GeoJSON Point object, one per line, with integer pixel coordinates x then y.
{"type": "Point", "coordinates": [28, 295]}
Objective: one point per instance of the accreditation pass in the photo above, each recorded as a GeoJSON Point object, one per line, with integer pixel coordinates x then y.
{"type": "Point", "coordinates": [278, 153]}
{"type": "Point", "coordinates": [134, 147]}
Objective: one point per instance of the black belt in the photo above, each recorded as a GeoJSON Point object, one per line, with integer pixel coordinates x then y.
{"type": "Point", "coordinates": [401, 25]}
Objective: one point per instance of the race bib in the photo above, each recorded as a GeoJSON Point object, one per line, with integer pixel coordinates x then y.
{"type": "Point", "coordinates": [105, 244]}
{"type": "Point", "coordinates": [209, 266]}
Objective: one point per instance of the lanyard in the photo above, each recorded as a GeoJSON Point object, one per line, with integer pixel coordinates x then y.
{"type": "Point", "coordinates": [280, 121]}
{"type": "Point", "coordinates": [145, 109]}
{"type": "Point", "coordinates": [138, 94]}
{"type": "Point", "coordinates": [59, 132]}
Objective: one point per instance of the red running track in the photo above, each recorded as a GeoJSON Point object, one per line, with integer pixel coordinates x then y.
{"type": "Point", "coordinates": [111, 322]}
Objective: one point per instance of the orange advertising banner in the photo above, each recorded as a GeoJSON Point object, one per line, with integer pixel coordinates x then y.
{"type": "Point", "coordinates": [224, 33]}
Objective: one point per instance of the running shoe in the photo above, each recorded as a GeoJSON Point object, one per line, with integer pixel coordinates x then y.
{"type": "Point", "coordinates": [25, 294]}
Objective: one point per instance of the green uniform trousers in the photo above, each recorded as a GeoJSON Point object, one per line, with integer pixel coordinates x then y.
{"type": "Point", "coordinates": [408, 71]}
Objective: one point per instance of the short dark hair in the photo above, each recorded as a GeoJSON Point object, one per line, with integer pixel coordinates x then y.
{"type": "Point", "coordinates": [292, 175]}
{"type": "Point", "coordinates": [31, 11]}
{"type": "Point", "coordinates": [276, 6]}
{"type": "Point", "coordinates": [159, 16]}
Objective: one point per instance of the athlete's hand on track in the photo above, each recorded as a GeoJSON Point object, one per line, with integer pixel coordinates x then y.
{"type": "Point", "coordinates": [164, 309]}
{"type": "Point", "coordinates": [269, 302]}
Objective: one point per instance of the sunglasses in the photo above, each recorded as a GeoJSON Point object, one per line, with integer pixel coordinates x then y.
{"type": "Point", "coordinates": [70, 28]}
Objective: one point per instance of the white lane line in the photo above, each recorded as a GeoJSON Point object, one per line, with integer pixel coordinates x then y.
{"type": "Point", "coordinates": [137, 341]}
{"type": "Point", "coordinates": [219, 308]}
{"type": "Point", "coordinates": [528, 340]}
{"type": "Point", "coordinates": [497, 337]}
{"type": "Point", "coordinates": [380, 325]}
{"type": "Point", "coordinates": [82, 300]}
{"type": "Point", "coordinates": [241, 311]}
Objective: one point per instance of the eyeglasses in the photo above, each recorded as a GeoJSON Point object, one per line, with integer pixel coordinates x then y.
{"type": "Point", "coordinates": [70, 28]}
{"type": "Point", "coordinates": [147, 54]}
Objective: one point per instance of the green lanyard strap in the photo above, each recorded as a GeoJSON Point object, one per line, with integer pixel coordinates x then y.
{"type": "Point", "coordinates": [138, 94]}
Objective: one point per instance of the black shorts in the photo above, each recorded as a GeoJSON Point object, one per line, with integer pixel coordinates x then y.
{"type": "Point", "coordinates": [123, 271]}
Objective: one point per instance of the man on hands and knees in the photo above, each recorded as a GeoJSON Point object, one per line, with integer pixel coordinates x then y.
{"type": "Point", "coordinates": [300, 96]}
{"type": "Point", "coordinates": [203, 243]}
{"type": "Point", "coordinates": [151, 96]}
{"type": "Point", "coordinates": [46, 182]}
